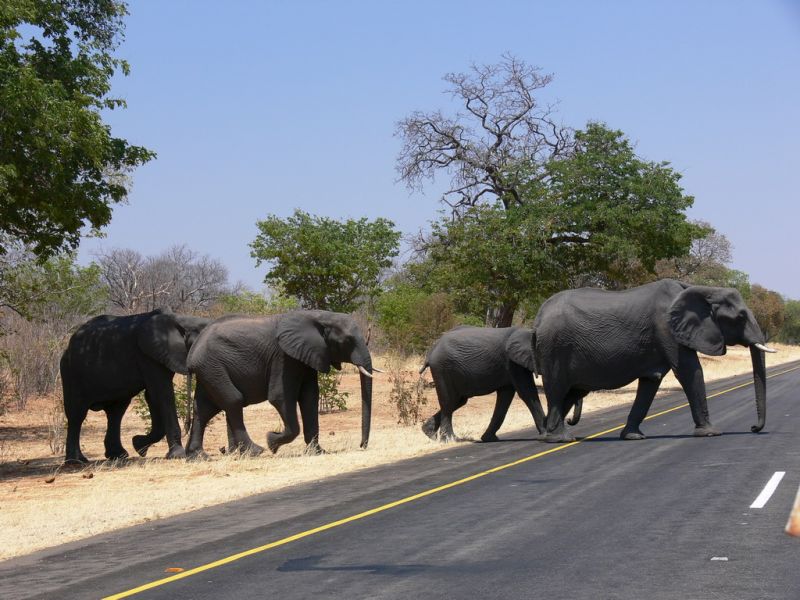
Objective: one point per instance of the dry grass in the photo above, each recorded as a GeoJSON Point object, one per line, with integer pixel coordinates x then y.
{"type": "Point", "coordinates": [104, 496]}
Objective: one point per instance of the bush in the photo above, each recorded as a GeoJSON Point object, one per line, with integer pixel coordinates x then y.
{"type": "Point", "coordinates": [413, 319]}
{"type": "Point", "coordinates": [330, 398]}
{"type": "Point", "coordinates": [406, 395]}
{"type": "Point", "coordinates": [790, 332]}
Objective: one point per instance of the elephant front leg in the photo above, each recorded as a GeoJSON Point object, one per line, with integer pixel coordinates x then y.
{"type": "Point", "coordinates": [158, 383]}
{"type": "Point", "coordinates": [309, 411]}
{"type": "Point", "coordinates": [501, 405]}
{"type": "Point", "coordinates": [525, 386]}
{"type": "Point", "coordinates": [291, 427]}
{"type": "Point", "coordinates": [142, 443]}
{"type": "Point", "coordinates": [690, 376]}
{"type": "Point", "coordinates": [645, 393]}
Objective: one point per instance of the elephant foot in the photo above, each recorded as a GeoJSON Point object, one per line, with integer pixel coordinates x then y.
{"type": "Point", "coordinates": [249, 449]}
{"type": "Point", "coordinates": [197, 455]}
{"type": "Point", "coordinates": [273, 441]}
{"type": "Point", "coordinates": [75, 461]}
{"type": "Point", "coordinates": [116, 454]}
{"type": "Point", "coordinates": [559, 438]}
{"type": "Point", "coordinates": [176, 451]}
{"type": "Point", "coordinates": [314, 449]}
{"type": "Point", "coordinates": [141, 443]}
{"type": "Point", "coordinates": [429, 429]}
{"type": "Point", "coordinates": [632, 434]}
{"type": "Point", "coordinates": [706, 431]}
{"type": "Point", "coordinates": [489, 437]}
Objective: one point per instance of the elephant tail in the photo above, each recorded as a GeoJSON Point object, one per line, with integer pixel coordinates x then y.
{"type": "Point", "coordinates": [425, 366]}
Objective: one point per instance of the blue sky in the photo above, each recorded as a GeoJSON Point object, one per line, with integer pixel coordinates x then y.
{"type": "Point", "coordinates": [256, 108]}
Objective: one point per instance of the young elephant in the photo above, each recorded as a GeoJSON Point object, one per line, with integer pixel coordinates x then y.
{"type": "Point", "coordinates": [473, 361]}
{"type": "Point", "coordinates": [245, 360]}
{"type": "Point", "coordinates": [110, 359]}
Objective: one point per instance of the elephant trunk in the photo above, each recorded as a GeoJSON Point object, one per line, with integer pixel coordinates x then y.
{"type": "Point", "coordinates": [366, 407]}
{"type": "Point", "coordinates": [362, 359]}
{"type": "Point", "coordinates": [760, 383]}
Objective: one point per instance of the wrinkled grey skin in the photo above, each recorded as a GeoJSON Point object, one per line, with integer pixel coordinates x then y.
{"type": "Point", "coordinates": [589, 339]}
{"type": "Point", "coordinates": [245, 360]}
{"type": "Point", "coordinates": [110, 359]}
{"type": "Point", "coordinates": [474, 361]}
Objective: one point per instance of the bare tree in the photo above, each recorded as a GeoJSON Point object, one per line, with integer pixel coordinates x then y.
{"type": "Point", "coordinates": [706, 261]}
{"type": "Point", "coordinates": [502, 130]}
{"type": "Point", "coordinates": [122, 271]}
{"type": "Point", "coordinates": [179, 278]}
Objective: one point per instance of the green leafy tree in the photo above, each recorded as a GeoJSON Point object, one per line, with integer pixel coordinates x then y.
{"type": "Point", "coordinates": [768, 309]}
{"type": "Point", "coordinates": [325, 263]}
{"type": "Point", "coordinates": [790, 332]}
{"type": "Point", "coordinates": [40, 306]}
{"type": "Point", "coordinates": [60, 167]}
{"type": "Point", "coordinates": [601, 216]}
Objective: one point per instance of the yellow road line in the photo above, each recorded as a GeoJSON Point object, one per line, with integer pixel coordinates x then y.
{"type": "Point", "coordinates": [406, 500]}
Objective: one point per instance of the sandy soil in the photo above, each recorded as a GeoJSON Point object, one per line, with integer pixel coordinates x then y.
{"type": "Point", "coordinates": [42, 505]}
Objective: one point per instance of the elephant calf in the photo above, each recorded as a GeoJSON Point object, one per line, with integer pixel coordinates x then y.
{"type": "Point", "coordinates": [473, 361]}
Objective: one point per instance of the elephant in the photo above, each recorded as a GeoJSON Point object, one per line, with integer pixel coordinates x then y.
{"type": "Point", "coordinates": [590, 339]}
{"type": "Point", "coordinates": [244, 360]}
{"type": "Point", "coordinates": [473, 361]}
{"type": "Point", "coordinates": [110, 359]}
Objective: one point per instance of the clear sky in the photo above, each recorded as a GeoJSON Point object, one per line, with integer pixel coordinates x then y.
{"type": "Point", "coordinates": [260, 107]}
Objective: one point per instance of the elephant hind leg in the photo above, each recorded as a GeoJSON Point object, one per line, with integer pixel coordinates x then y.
{"type": "Point", "coordinates": [205, 410]}
{"type": "Point", "coordinates": [503, 402]}
{"type": "Point", "coordinates": [446, 432]}
{"type": "Point", "coordinates": [241, 442]}
{"type": "Point", "coordinates": [113, 441]}
{"type": "Point", "coordinates": [75, 411]}
{"type": "Point", "coordinates": [431, 426]}
{"type": "Point", "coordinates": [645, 392]}
{"type": "Point", "coordinates": [558, 409]}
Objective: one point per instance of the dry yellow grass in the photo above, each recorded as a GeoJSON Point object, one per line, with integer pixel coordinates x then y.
{"type": "Point", "coordinates": [107, 496]}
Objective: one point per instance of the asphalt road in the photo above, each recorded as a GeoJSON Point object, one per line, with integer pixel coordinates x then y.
{"type": "Point", "coordinates": [666, 517]}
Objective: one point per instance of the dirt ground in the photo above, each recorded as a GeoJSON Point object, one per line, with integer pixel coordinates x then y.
{"type": "Point", "coordinates": [43, 504]}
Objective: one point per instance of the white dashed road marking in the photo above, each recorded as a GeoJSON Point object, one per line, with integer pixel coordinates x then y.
{"type": "Point", "coordinates": [768, 490]}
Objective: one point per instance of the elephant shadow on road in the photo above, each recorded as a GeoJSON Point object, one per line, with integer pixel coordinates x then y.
{"type": "Point", "coordinates": [312, 563]}
{"type": "Point", "coordinates": [675, 436]}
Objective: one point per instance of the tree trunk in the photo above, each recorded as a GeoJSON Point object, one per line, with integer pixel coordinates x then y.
{"type": "Point", "coordinates": [501, 316]}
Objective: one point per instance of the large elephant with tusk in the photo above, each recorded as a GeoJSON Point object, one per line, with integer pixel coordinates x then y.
{"type": "Point", "coordinates": [590, 339]}
{"type": "Point", "coordinates": [242, 360]}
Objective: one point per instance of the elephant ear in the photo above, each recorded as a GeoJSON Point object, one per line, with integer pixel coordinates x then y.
{"type": "Point", "coordinates": [302, 338]}
{"type": "Point", "coordinates": [162, 338]}
{"type": "Point", "coordinates": [519, 348]}
{"type": "Point", "coordinates": [691, 320]}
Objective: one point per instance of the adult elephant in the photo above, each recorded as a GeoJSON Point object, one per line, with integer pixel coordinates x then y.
{"type": "Point", "coordinates": [110, 359]}
{"type": "Point", "coordinates": [474, 361]}
{"type": "Point", "coordinates": [589, 339]}
{"type": "Point", "coordinates": [245, 360]}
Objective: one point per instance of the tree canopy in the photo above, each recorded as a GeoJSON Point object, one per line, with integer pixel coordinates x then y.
{"type": "Point", "coordinates": [327, 264]}
{"type": "Point", "coordinates": [600, 216]}
{"type": "Point", "coordinates": [61, 169]}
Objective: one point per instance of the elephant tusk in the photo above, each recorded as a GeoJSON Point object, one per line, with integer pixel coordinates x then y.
{"type": "Point", "coordinates": [764, 348]}
{"type": "Point", "coordinates": [364, 372]}
{"type": "Point", "coordinates": [377, 370]}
